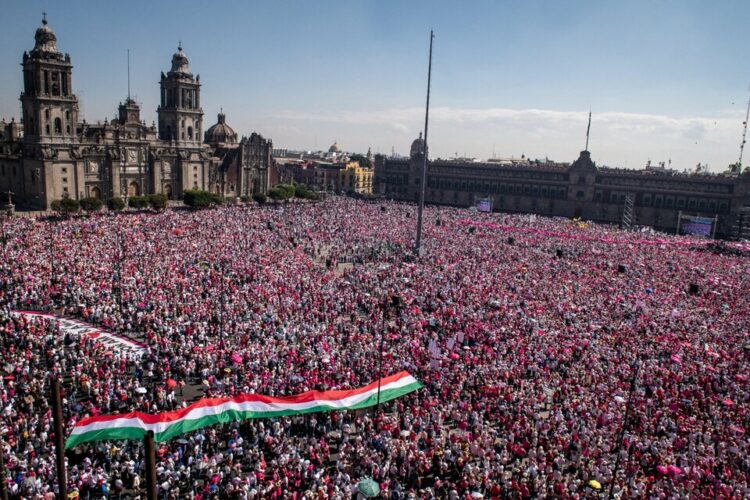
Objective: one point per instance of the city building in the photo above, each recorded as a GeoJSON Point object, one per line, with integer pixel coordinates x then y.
{"type": "Point", "coordinates": [655, 197]}
{"type": "Point", "coordinates": [354, 178]}
{"type": "Point", "coordinates": [52, 154]}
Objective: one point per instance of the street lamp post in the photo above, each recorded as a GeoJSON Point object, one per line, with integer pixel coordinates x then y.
{"type": "Point", "coordinates": [394, 304]}
{"type": "Point", "coordinates": [625, 422]}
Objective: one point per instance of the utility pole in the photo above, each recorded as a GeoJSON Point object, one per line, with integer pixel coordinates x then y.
{"type": "Point", "coordinates": [395, 303]}
{"type": "Point", "coordinates": [3, 475]}
{"type": "Point", "coordinates": [62, 482]}
{"type": "Point", "coordinates": [150, 449]}
{"type": "Point", "coordinates": [633, 384]}
{"type": "Point", "coordinates": [423, 180]}
{"type": "Point", "coordinates": [51, 254]}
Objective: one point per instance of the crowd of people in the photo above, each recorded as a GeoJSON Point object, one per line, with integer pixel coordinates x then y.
{"type": "Point", "coordinates": [558, 359]}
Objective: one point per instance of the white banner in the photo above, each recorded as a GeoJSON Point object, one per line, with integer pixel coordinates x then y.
{"type": "Point", "coordinates": [74, 326]}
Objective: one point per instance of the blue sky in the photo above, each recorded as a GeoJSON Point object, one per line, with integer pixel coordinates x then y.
{"type": "Point", "coordinates": [665, 80]}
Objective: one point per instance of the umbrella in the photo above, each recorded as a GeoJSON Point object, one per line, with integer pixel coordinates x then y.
{"type": "Point", "coordinates": [182, 441]}
{"type": "Point", "coordinates": [171, 383]}
{"type": "Point", "coordinates": [368, 488]}
{"type": "Point", "coordinates": [619, 399]}
{"type": "Point", "coordinates": [141, 390]}
{"type": "Point", "coordinates": [236, 358]}
{"type": "Point", "coordinates": [595, 484]}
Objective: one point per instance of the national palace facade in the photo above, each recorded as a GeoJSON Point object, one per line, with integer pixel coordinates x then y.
{"type": "Point", "coordinates": [52, 154]}
{"type": "Point", "coordinates": [656, 197]}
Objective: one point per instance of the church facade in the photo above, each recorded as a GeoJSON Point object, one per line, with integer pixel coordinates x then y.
{"type": "Point", "coordinates": [51, 154]}
{"type": "Point", "coordinates": [655, 198]}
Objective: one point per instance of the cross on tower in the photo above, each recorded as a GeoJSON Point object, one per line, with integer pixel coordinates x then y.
{"type": "Point", "coordinates": [44, 18]}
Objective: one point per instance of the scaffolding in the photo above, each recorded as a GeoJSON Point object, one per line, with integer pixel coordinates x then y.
{"type": "Point", "coordinates": [628, 211]}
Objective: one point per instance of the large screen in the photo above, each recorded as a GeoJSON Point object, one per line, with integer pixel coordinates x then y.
{"type": "Point", "coordinates": [697, 226]}
{"type": "Point", "coordinates": [484, 205]}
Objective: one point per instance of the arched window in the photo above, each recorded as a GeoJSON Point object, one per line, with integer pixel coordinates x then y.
{"type": "Point", "coordinates": [46, 114]}
{"type": "Point", "coordinates": [58, 126]}
{"type": "Point", "coordinates": [133, 189]}
{"type": "Point", "coordinates": [96, 192]}
{"type": "Point", "coordinates": [190, 133]}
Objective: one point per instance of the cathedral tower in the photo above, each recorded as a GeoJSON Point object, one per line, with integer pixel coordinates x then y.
{"type": "Point", "coordinates": [50, 110]}
{"type": "Point", "coordinates": [180, 114]}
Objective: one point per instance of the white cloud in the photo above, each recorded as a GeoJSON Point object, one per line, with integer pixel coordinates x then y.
{"type": "Point", "coordinates": [617, 138]}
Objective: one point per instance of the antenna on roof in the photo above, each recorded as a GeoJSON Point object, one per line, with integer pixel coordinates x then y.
{"type": "Point", "coordinates": [128, 74]}
{"type": "Point", "coordinates": [588, 130]}
{"type": "Point", "coordinates": [744, 134]}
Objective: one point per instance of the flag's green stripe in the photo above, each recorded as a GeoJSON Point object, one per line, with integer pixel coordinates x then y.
{"type": "Point", "coordinates": [185, 425]}
{"type": "Point", "coordinates": [111, 434]}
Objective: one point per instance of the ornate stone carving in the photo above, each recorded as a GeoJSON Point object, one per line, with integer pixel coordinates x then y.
{"type": "Point", "coordinates": [48, 153]}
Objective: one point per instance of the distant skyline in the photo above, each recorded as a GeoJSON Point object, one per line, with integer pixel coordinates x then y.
{"type": "Point", "coordinates": [664, 80]}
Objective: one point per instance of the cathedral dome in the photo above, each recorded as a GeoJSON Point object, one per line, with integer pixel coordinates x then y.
{"type": "Point", "coordinates": [417, 147]}
{"type": "Point", "coordinates": [335, 148]}
{"type": "Point", "coordinates": [220, 133]}
{"type": "Point", "coordinates": [45, 38]}
{"type": "Point", "coordinates": [180, 63]}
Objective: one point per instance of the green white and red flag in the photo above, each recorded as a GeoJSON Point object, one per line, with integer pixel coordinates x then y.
{"type": "Point", "coordinates": [212, 411]}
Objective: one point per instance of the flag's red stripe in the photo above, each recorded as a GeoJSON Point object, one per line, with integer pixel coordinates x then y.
{"type": "Point", "coordinates": [298, 398]}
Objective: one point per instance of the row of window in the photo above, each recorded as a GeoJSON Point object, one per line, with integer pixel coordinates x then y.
{"type": "Point", "coordinates": [494, 188]}
{"type": "Point", "coordinates": [669, 202]}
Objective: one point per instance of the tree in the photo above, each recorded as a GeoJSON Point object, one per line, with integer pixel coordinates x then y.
{"type": "Point", "coordinates": [275, 194]}
{"type": "Point", "coordinates": [138, 202]}
{"type": "Point", "coordinates": [302, 191]}
{"type": "Point", "coordinates": [197, 198]}
{"type": "Point", "coordinates": [260, 198]}
{"type": "Point", "coordinates": [116, 204]}
{"type": "Point", "coordinates": [91, 205]}
{"type": "Point", "coordinates": [158, 201]}
{"type": "Point", "coordinates": [286, 190]}
{"type": "Point", "coordinates": [65, 206]}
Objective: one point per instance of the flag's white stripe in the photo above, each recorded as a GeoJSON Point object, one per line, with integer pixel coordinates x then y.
{"type": "Point", "coordinates": [256, 406]}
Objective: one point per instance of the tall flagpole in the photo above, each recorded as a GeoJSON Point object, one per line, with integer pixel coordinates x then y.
{"type": "Point", "coordinates": [420, 209]}
{"type": "Point", "coordinates": [588, 129]}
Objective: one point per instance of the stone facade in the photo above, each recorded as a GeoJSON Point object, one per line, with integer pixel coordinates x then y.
{"type": "Point", "coordinates": [54, 155]}
{"type": "Point", "coordinates": [580, 189]}
{"type": "Point", "coordinates": [245, 167]}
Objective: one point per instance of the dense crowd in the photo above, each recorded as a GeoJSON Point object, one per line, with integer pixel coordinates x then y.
{"type": "Point", "coordinates": [534, 339]}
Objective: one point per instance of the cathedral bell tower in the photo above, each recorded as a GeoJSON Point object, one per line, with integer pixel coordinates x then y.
{"type": "Point", "coordinates": [50, 110]}
{"type": "Point", "coordinates": [180, 114]}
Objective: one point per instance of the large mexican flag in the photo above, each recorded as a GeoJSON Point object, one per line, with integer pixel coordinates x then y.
{"type": "Point", "coordinates": [212, 411]}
